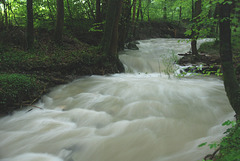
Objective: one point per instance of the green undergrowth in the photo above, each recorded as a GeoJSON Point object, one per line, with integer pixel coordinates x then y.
{"type": "Point", "coordinates": [17, 90]}
{"type": "Point", "coordinates": [230, 144]}
{"type": "Point", "coordinates": [229, 147]}
{"type": "Point", "coordinates": [59, 59]}
{"type": "Point", "coordinates": [26, 75]}
{"type": "Point", "coordinates": [211, 48]}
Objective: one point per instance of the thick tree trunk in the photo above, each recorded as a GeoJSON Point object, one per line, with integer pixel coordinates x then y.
{"type": "Point", "coordinates": [110, 37]}
{"type": "Point", "coordinates": [60, 22]}
{"type": "Point", "coordinates": [104, 9]}
{"type": "Point", "coordinates": [230, 82]}
{"type": "Point", "coordinates": [30, 36]}
{"type": "Point", "coordinates": [98, 11]}
{"type": "Point", "coordinates": [124, 23]}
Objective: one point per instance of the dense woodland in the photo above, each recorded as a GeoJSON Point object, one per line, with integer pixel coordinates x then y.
{"type": "Point", "coordinates": [48, 42]}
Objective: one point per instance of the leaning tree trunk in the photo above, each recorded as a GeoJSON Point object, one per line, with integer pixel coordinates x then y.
{"type": "Point", "coordinates": [110, 37]}
{"type": "Point", "coordinates": [30, 36]}
{"type": "Point", "coordinates": [60, 22]}
{"type": "Point", "coordinates": [230, 82]}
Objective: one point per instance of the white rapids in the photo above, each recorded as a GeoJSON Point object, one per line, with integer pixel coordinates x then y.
{"type": "Point", "coordinates": [137, 116]}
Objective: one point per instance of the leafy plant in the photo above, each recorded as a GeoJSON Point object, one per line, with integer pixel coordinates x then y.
{"type": "Point", "coordinates": [16, 88]}
{"type": "Point", "coordinates": [229, 145]}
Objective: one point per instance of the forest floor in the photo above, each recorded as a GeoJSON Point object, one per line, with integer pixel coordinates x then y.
{"type": "Point", "coordinates": [209, 59]}
{"type": "Point", "coordinates": [47, 64]}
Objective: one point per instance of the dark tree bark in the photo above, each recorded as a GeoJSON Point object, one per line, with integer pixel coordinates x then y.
{"type": "Point", "coordinates": [60, 22]}
{"type": "Point", "coordinates": [165, 10]}
{"type": "Point", "coordinates": [30, 36]}
{"type": "Point", "coordinates": [148, 15]}
{"type": "Point", "coordinates": [5, 14]}
{"type": "Point", "coordinates": [104, 9]}
{"type": "Point", "coordinates": [139, 11]}
{"type": "Point", "coordinates": [69, 10]}
{"type": "Point", "coordinates": [98, 11]}
{"type": "Point", "coordinates": [180, 13]}
{"type": "Point", "coordinates": [230, 82]}
{"type": "Point", "coordinates": [1, 21]}
{"type": "Point", "coordinates": [110, 37]}
{"type": "Point", "coordinates": [133, 18]}
{"type": "Point", "coordinates": [196, 11]}
{"type": "Point", "coordinates": [124, 23]}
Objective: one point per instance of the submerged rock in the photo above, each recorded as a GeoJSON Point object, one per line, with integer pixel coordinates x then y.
{"type": "Point", "coordinates": [132, 45]}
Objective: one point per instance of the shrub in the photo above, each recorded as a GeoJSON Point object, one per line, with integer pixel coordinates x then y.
{"type": "Point", "coordinates": [15, 89]}
{"type": "Point", "coordinates": [230, 145]}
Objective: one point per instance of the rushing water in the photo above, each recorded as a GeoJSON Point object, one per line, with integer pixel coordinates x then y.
{"type": "Point", "coordinates": [137, 116]}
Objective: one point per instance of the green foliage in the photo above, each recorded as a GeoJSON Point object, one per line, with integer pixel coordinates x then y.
{"type": "Point", "coordinates": [16, 88]}
{"type": "Point", "coordinates": [211, 48]}
{"type": "Point", "coordinates": [230, 144]}
{"type": "Point", "coordinates": [97, 27]}
{"type": "Point", "coordinates": [168, 63]}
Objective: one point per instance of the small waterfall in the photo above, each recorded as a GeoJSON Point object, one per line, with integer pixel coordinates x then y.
{"type": "Point", "coordinates": [136, 116]}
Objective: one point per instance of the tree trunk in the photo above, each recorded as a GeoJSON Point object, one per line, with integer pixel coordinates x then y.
{"type": "Point", "coordinates": [104, 9]}
{"type": "Point", "coordinates": [60, 22]}
{"type": "Point", "coordinates": [5, 14]}
{"type": "Point", "coordinates": [180, 13]}
{"type": "Point", "coordinates": [196, 11]}
{"type": "Point", "coordinates": [139, 11]}
{"type": "Point", "coordinates": [1, 21]}
{"type": "Point", "coordinates": [133, 18]}
{"type": "Point", "coordinates": [30, 36]}
{"type": "Point", "coordinates": [148, 15]}
{"type": "Point", "coordinates": [69, 10]}
{"type": "Point", "coordinates": [124, 23]}
{"type": "Point", "coordinates": [165, 10]}
{"type": "Point", "coordinates": [230, 82]}
{"type": "Point", "coordinates": [98, 11]}
{"type": "Point", "coordinates": [110, 37]}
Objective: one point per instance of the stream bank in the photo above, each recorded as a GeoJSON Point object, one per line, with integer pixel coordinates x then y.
{"type": "Point", "coordinates": [49, 65]}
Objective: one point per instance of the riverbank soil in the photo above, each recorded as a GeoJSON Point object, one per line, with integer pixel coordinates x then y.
{"type": "Point", "coordinates": [209, 60]}
{"type": "Point", "coordinates": [47, 65]}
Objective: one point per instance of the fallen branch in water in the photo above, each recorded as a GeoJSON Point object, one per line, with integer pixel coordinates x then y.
{"type": "Point", "coordinates": [211, 156]}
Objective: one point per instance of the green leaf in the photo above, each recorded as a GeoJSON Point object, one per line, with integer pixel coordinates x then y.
{"type": "Point", "coordinates": [203, 144]}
